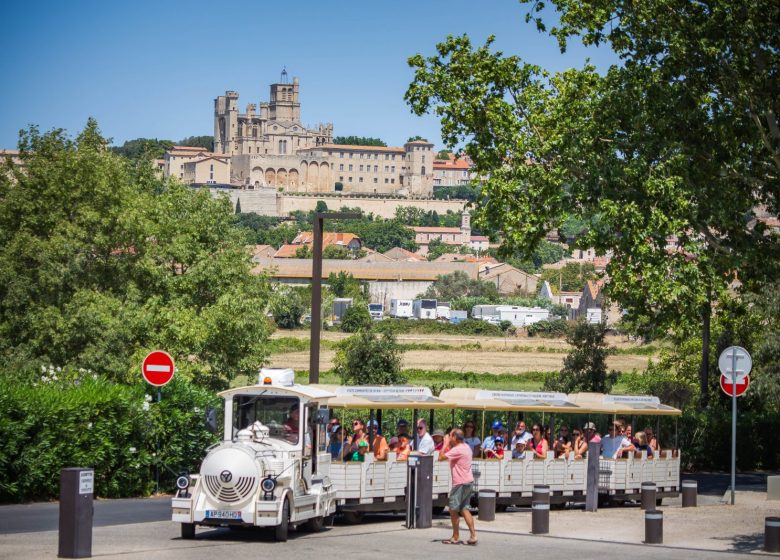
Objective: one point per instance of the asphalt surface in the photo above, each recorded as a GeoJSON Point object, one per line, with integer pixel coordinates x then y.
{"type": "Point", "coordinates": [31, 518]}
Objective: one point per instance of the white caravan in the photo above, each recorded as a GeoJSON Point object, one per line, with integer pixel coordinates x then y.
{"type": "Point", "coordinates": [424, 309]}
{"type": "Point", "coordinates": [271, 468]}
{"type": "Point", "coordinates": [443, 310]}
{"type": "Point", "coordinates": [522, 316]}
{"type": "Point", "coordinates": [401, 308]}
{"type": "Point", "coordinates": [377, 311]}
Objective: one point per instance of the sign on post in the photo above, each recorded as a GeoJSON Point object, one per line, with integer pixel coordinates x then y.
{"type": "Point", "coordinates": [735, 365]}
{"type": "Point", "coordinates": [157, 368]}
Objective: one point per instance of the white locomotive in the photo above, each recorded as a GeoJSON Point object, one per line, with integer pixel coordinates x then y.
{"type": "Point", "coordinates": [271, 469]}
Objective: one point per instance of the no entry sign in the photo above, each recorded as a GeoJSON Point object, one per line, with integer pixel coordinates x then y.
{"type": "Point", "coordinates": [742, 384]}
{"type": "Point", "coordinates": [157, 368]}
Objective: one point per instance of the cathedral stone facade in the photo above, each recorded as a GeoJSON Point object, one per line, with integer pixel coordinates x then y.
{"type": "Point", "coordinates": [271, 148]}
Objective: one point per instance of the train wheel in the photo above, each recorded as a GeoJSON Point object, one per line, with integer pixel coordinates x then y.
{"type": "Point", "coordinates": [501, 508]}
{"type": "Point", "coordinates": [438, 510]}
{"type": "Point", "coordinates": [188, 531]}
{"type": "Point", "coordinates": [281, 530]}
{"type": "Point", "coordinates": [353, 517]}
{"type": "Point", "coordinates": [315, 524]}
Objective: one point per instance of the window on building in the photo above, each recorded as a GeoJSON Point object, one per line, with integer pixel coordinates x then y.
{"type": "Point", "coordinates": [360, 179]}
{"type": "Point", "coordinates": [422, 170]}
{"type": "Point", "coordinates": [341, 154]}
{"type": "Point", "coordinates": [350, 179]}
{"type": "Point", "coordinates": [341, 167]}
{"type": "Point", "coordinates": [387, 156]}
{"type": "Point", "coordinates": [376, 156]}
{"type": "Point", "coordinates": [351, 155]}
{"type": "Point", "coordinates": [386, 181]}
{"type": "Point", "coordinates": [387, 168]}
{"type": "Point", "coordinates": [376, 180]}
{"type": "Point", "coordinates": [361, 168]}
{"type": "Point", "coordinates": [211, 167]}
{"type": "Point", "coordinates": [423, 159]}
{"type": "Point", "coordinates": [392, 168]}
{"type": "Point", "coordinates": [376, 169]}
{"type": "Point", "coordinates": [350, 167]}
{"type": "Point", "coordinates": [392, 181]}
{"type": "Point", "coordinates": [341, 178]}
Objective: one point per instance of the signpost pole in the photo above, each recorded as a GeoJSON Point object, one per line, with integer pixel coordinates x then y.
{"type": "Point", "coordinates": [733, 423]}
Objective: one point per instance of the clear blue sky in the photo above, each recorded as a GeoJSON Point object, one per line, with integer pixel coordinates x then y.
{"type": "Point", "coordinates": [153, 69]}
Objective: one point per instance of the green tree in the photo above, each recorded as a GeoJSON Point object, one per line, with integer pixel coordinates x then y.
{"type": "Point", "coordinates": [698, 85]}
{"type": "Point", "coordinates": [572, 277]}
{"type": "Point", "coordinates": [198, 142]}
{"type": "Point", "coordinates": [303, 252]}
{"type": "Point", "coordinates": [458, 284]}
{"type": "Point", "coordinates": [143, 148]}
{"type": "Point", "coordinates": [437, 248]}
{"type": "Point", "coordinates": [585, 366]}
{"type": "Point", "coordinates": [444, 154]}
{"type": "Point", "coordinates": [102, 261]}
{"type": "Point", "coordinates": [356, 318]}
{"type": "Point", "coordinates": [416, 138]}
{"type": "Point", "coordinates": [343, 284]}
{"type": "Point", "coordinates": [321, 206]}
{"type": "Point", "coordinates": [456, 192]}
{"type": "Point", "coordinates": [368, 359]}
{"type": "Point", "coordinates": [287, 309]}
{"type": "Point", "coordinates": [337, 252]}
{"type": "Point", "coordinates": [358, 141]}
{"type": "Point", "coordinates": [238, 206]}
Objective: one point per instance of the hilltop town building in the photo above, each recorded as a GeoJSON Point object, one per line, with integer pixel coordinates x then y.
{"type": "Point", "coordinates": [271, 148]}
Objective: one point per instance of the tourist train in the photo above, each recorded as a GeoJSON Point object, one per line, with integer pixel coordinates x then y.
{"type": "Point", "coordinates": [272, 468]}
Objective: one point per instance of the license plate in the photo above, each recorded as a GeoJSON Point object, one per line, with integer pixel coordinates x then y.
{"type": "Point", "coordinates": [219, 514]}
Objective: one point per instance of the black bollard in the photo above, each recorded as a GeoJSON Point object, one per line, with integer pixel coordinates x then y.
{"type": "Point", "coordinates": [540, 518]}
{"type": "Point", "coordinates": [690, 491]}
{"type": "Point", "coordinates": [487, 505]}
{"type": "Point", "coordinates": [77, 487]}
{"type": "Point", "coordinates": [541, 494]}
{"type": "Point", "coordinates": [648, 495]}
{"type": "Point", "coordinates": [654, 527]}
{"type": "Point", "coordinates": [772, 534]}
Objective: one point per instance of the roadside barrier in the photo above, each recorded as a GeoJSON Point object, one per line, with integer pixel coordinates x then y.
{"type": "Point", "coordinates": [540, 518]}
{"type": "Point", "coordinates": [487, 505]}
{"type": "Point", "coordinates": [654, 527]}
{"type": "Point", "coordinates": [690, 491]}
{"type": "Point", "coordinates": [649, 491]}
{"type": "Point", "coordinates": [772, 534]}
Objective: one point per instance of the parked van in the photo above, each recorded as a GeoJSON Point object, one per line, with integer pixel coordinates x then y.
{"type": "Point", "coordinates": [424, 309]}
{"type": "Point", "coordinates": [443, 310]}
{"type": "Point", "coordinates": [377, 311]}
{"type": "Point", "coordinates": [401, 308]}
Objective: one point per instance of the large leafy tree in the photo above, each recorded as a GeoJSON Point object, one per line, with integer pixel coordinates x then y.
{"type": "Point", "coordinates": [102, 261]}
{"type": "Point", "coordinates": [670, 157]}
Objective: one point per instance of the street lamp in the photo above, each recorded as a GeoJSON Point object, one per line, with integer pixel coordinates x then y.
{"type": "Point", "coordinates": [316, 287]}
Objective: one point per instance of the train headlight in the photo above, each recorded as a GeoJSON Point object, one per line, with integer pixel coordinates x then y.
{"type": "Point", "coordinates": [268, 485]}
{"type": "Point", "coordinates": [183, 482]}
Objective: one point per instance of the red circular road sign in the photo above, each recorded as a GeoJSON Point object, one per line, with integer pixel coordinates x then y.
{"type": "Point", "coordinates": [157, 368]}
{"type": "Point", "coordinates": [742, 384]}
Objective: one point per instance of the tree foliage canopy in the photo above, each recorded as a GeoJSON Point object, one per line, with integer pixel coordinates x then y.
{"type": "Point", "coordinates": [102, 261]}
{"type": "Point", "coordinates": [368, 359]}
{"type": "Point", "coordinates": [585, 366]}
{"type": "Point", "coordinates": [359, 141]}
{"type": "Point", "coordinates": [669, 157]}
{"type": "Point", "coordinates": [458, 284]}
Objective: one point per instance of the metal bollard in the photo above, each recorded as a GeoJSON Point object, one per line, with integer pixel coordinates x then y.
{"type": "Point", "coordinates": [648, 495]}
{"type": "Point", "coordinates": [541, 494]}
{"type": "Point", "coordinates": [690, 491]}
{"type": "Point", "coordinates": [772, 534]}
{"type": "Point", "coordinates": [540, 518]}
{"type": "Point", "coordinates": [654, 527]}
{"type": "Point", "coordinates": [77, 487]}
{"type": "Point", "coordinates": [487, 505]}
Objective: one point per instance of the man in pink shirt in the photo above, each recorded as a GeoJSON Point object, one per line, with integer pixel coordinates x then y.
{"type": "Point", "coordinates": [458, 453]}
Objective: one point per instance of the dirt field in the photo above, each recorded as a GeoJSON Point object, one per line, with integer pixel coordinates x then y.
{"type": "Point", "coordinates": [496, 355]}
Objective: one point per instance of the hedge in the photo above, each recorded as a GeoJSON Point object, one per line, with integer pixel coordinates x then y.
{"type": "Point", "coordinates": [90, 422]}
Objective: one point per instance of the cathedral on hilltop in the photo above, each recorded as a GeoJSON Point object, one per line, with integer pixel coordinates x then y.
{"type": "Point", "coordinates": [270, 147]}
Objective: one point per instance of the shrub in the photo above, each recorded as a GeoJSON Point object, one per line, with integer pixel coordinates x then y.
{"type": "Point", "coordinates": [585, 367]}
{"type": "Point", "coordinates": [549, 329]}
{"type": "Point", "coordinates": [69, 419]}
{"type": "Point", "coordinates": [356, 318]}
{"type": "Point", "coordinates": [287, 309]}
{"type": "Point", "coordinates": [368, 359]}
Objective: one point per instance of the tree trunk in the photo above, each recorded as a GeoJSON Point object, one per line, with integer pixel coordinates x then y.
{"type": "Point", "coordinates": [704, 368]}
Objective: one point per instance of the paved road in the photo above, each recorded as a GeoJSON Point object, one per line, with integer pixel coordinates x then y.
{"type": "Point", "coordinates": [377, 540]}
{"type": "Point", "coordinates": [29, 518]}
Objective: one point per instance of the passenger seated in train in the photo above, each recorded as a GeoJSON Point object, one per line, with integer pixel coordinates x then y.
{"type": "Point", "coordinates": [497, 452]}
{"type": "Point", "coordinates": [404, 447]}
{"type": "Point", "coordinates": [641, 444]}
{"type": "Point", "coordinates": [520, 435]}
{"type": "Point", "coordinates": [336, 443]}
{"type": "Point", "coordinates": [651, 439]}
{"type": "Point", "coordinates": [589, 429]}
{"type": "Point", "coordinates": [538, 443]}
{"type": "Point", "coordinates": [579, 444]}
{"type": "Point", "coordinates": [403, 429]}
{"type": "Point", "coordinates": [377, 442]}
{"type": "Point", "coordinates": [360, 454]}
{"type": "Point", "coordinates": [358, 435]}
{"type": "Point", "coordinates": [471, 438]}
{"type": "Point", "coordinates": [490, 441]}
{"type": "Point", "coordinates": [438, 440]}
{"type": "Point", "coordinates": [614, 444]}
{"type": "Point", "coordinates": [563, 443]}
{"type": "Point", "coordinates": [424, 440]}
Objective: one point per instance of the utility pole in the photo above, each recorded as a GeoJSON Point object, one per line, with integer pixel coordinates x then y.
{"type": "Point", "coordinates": [316, 287]}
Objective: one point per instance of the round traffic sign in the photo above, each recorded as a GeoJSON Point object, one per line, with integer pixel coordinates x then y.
{"type": "Point", "coordinates": [157, 368]}
{"type": "Point", "coordinates": [742, 384]}
{"type": "Point", "coordinates": [737, 359]}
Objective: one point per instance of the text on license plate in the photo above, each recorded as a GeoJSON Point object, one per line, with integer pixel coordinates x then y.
{"type": "Point", "coordinates": [219, 514]}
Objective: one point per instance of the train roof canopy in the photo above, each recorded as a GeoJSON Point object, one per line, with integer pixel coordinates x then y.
{"type": "Point", "coordinates": [623, 404]}
{"type": "Point", "coordinates": [382, 397]}
{"type": "Point", "coordinates": [480, 399]}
